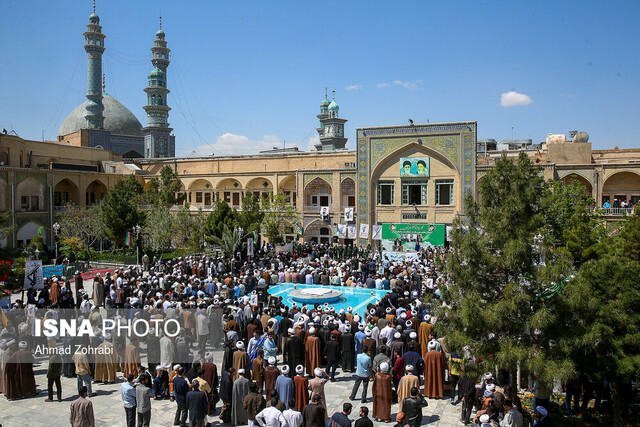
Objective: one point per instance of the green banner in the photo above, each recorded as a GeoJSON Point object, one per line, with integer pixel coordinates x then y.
{"type": "Point", "coordinates": [420, 233]}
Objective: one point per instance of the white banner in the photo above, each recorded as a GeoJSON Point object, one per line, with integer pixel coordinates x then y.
{"type": "Point", "coordinates": [364, 231]}
{"type": "Point", "coordinates": [324, 212]}
{"type": "Point", "coordinates": [400, 256]}
{"type": "Point", "coordinates": [250, 247]}
{"type": "Point", "coordinates": [348, 214]}
{"type": "Point", "coordinates": [376, 232]}
{"type": "Point", "coordinates": [33, 275]}
{"type": "Point", "coordinates": [351, 231]}
{"type": "Point", "coordinates": [342, 231]}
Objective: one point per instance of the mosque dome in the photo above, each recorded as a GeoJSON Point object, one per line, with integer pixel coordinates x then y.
{"type": "Point", "coordinates": [94, 17]}
{"type": "Point", "coordinates": [333, 106]}
{"type": "Point", "coordinates": [160, 34]}
{"type": "Point", "coordinates": [581, 137]}
{"type": "Point", "coordinates": [325, 103]}
{"type": "Point", "coordinates": [156, 72]}
{"type": "Point", "coordinates": [117, 119]}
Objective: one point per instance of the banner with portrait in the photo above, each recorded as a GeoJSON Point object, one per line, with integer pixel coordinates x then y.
{"type": "Point", "coordinates": [413, 167]}
{"type": "Point", "coordinates": [364, 231]}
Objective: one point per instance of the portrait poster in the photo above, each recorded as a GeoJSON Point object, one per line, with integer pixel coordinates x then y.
{"type": "Point", "coordinates": [413, 167]}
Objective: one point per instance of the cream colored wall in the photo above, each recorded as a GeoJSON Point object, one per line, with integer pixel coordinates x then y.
{"type": "Point", "coordinates": [440, 168]}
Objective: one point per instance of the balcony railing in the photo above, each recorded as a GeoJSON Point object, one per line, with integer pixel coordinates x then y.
{"type": "Point", "coordinates": [618, 211]}
{"type": "Point", "coordinates": [414, 215]}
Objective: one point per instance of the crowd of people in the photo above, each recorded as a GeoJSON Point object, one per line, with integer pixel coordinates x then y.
{"type": "Point", "coordinates": [277, 358]}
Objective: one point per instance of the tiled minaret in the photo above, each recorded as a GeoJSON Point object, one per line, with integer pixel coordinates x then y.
{"type": "Point", "coordinates": [94, 46]}
{"type": "Point", "coordinates": [158, 140]}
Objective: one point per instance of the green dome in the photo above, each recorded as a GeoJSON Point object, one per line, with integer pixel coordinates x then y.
{"type": "Point", "coordinates": [333, 106]}
{"type": "Point", "coordinates": [160, 34]}
{"type": "Point", "coordinates": [94, 17]}
{"type": "Point", "coordinates": [156, 72]}
{"type": "Point", "coordinates": [325, 102]}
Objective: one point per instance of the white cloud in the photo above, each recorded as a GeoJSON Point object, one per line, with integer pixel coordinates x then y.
{"type": "Point", "coordinates": [513, 99]}
{"type": "Point", "coordinates": [353, 87]}
{"type": "Point", "coordinates": [414, 85]}
{"type": "Point", "coordinates": [229, 143]}
{"type": "Point", "coordinates": [311, 143]}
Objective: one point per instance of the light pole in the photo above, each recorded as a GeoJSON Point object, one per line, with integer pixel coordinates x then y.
{"type": "Point", "coordinates": [56, 230]}
{"type": "Point", "coordinates": [137, 229]}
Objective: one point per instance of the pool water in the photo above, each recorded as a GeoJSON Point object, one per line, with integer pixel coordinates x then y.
{"type": "Point", "coordinates": [358, 298]}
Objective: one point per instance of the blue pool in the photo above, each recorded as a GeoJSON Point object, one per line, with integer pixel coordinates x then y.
{"type": "Point", "coordinates": [358, 298]}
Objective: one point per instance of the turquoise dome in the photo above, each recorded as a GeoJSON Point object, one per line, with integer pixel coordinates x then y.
{"type": "Point", "coordinates": [94, 17]}
{"type": "Point", "coordinates": [160, 34]}
{"type": "Point", "coordinates": [325, 102]}
{"type": "Point", "coordinates": [333, 106]}
{"type": "Point", "coordinates": [156, 72]}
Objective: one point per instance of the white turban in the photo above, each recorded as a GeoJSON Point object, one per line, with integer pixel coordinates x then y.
{"type": "Point", "coordinates": [240, 345]}
{"type": "Point", "coordinates": [271, 360]}
{"type": "Point", "coordinates": [384, 367]}
{"type": "Point", "coordinates": [285, 369]}
{"type": "Point", "coordinates": [312, 330]}
{"type": "Point", "coordinates": [22, 345]}
{"type": "Point", "coordinates": [241, 371]}
{"type": "Point", "coordinates": [317, 372]}
{"type": "Point", "coordinates": [299, 369]}
{"type": "Point", "coordinates": [542, 411]}
{"type": "Point", "coordinates": [409, 368]}
{"type": "Point", "coordinates": [176, 366]}
{"type": "Point", "coordinates": [368, 332]}
{"type": "Point", "coordinates": [413, 335]}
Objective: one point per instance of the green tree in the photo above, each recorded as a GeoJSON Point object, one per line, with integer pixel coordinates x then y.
{"type": "Point", "coordinates": [278, 215]}
{"type": "Point", "coordinates": [164, 191]}
{"type": "Point", "coordinates": [251, 215]}
{"type": "Point", "coordinates": [573, 226]}
{"type": "Point", "coordinates": [159, 228]}
{"type": "Point", "coordinates": [221, 216]}
{"type": "Point", "coordinates": [84, 224]}
{"type": "Point", "coordinates": [229, 241]}
{"type": "Point", "coordinates": [493, 295]}
{"type": "Point", "coordinates": [6, 228]}
{"type": "Point", "coordinates": [119, 209]}
{"type": "Point", "coordinates": [605, 299]}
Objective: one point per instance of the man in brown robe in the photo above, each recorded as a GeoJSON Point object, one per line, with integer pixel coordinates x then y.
{"type": "Point", "coordinates": [316, 386]}
{"type": "Point", "coordinates": [406, 384]}
{"type": "Point", "coordinates": [434, 373]}
{"type": "Point", "coordinates": [382, 395]}
{"type": "Point", "coordinates": [210, 371]}
{"type": "Point", "coordinates": [369, 342]}
{"type": "Point", "coordinates": [270, 374]}
{"type": "Point", "coordinates": [240, 359]}
{"type": "Point", "coordinates": [256, 370]}
{"type": "Point", "coordinates": [301, 388]}
{"type": "Point", "coordinates": [18, 377]}
{"type": "Point", "coordinates": [82, 411]}
{"type": "Point", "coordinates": [54, 293]}
{"type": "Point", "coordinates": [312, 352]}
{"type": "Point", "coordinates": [106, 361]}
{"type": "Point", "coordinates": [423, 334]}
{"type": "Point", "coordinates": [131, 360]}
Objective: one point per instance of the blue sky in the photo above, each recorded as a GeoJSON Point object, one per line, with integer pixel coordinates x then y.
{"type": "Point", "coordinates": [250, 75]}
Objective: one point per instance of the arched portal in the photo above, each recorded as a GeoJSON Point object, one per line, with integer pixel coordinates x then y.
{"type": "Point", "coordinates": [95, 192]}
{"type": "Point", "coordinates": [621, 188]}
{"type": "Point", "coordinates": [66, 192]}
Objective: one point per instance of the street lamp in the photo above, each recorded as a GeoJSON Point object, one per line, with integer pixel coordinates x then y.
{"type": "Point", "coordinates": [137, 230]}
{"type": "Point", "coordinates": [56, 230]}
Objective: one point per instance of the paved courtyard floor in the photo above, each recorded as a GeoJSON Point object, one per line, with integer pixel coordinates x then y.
{"type": "Point", "coordinates": [107, 405]}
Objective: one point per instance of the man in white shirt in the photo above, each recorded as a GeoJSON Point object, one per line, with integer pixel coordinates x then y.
{"type": "Point", "coordinates": [512, 418]}
{"type": "Point", "coordinates": [386, 334]}
{"type": "Point", "coordinates": [271, 417]}
{"type": "Point", "coordinates": [293, 417]}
